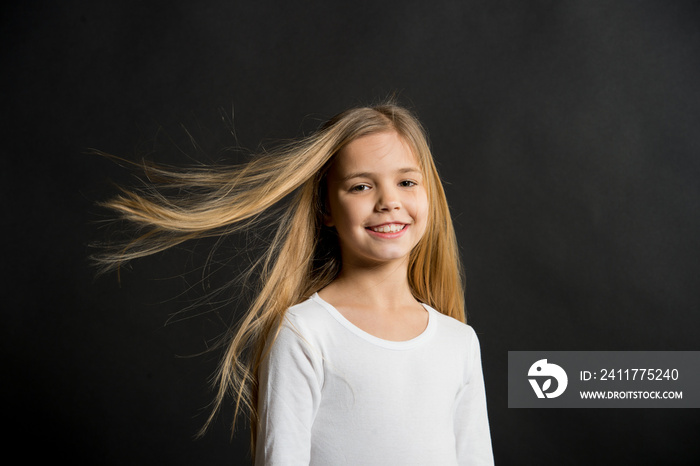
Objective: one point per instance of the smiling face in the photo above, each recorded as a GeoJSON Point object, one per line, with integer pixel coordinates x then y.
{"type": "Point", "coordinates": [377, 200]}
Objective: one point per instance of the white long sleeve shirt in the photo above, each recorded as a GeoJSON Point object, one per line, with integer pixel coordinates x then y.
{"type": "Point", "coordinates": [332, 394]}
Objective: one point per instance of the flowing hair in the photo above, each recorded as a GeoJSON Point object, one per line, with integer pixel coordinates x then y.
{"type": "Point", "coordinates": [303, 255]}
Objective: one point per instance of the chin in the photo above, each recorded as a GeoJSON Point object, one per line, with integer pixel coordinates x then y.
{"type": "Point", "coordinates": [389, 257]}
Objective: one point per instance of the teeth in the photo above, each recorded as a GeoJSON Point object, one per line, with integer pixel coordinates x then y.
{"type": "Point", "coordinates": [391, 228]}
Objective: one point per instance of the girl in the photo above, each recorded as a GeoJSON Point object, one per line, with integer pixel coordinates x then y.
{"type": "Point", "coordinates": [355, 349]}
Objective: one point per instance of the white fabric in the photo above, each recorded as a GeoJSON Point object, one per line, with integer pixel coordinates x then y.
{"type": "Point", "coordinates": [332, 394]}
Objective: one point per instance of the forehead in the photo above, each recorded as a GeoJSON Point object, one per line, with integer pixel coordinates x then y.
{"type": "Point", "coordinates": [375, 153]}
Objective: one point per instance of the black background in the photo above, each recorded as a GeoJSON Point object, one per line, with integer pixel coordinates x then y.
{"type": "Point", "coordinates": [566, 134]}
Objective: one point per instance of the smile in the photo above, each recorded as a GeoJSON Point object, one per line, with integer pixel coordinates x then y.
{"type": "Point", "coordinates": [388, 231]}
{"type": "Point", "coordinates": [390, 228]}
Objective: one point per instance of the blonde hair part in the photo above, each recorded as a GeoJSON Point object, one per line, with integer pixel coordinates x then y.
{"type": "Point", "coordinates": [303, 255]}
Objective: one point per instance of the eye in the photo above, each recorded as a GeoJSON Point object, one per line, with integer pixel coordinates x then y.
{"type": "Point", "coordinates": [359, 188]}
{"type": "Point", "coordinates": [407, 183]}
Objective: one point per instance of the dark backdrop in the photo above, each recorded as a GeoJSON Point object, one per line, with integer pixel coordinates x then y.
{"type": "Point", "coordinates": [566, 134]}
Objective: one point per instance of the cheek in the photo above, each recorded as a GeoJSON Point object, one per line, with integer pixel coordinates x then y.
{"type": "Point", "coordinates": [421, 206]}
{"type": "Point", "coordinates": [422, 209]}
{"type": "Point", "coordinates": [345, 212]}
{"type": "Point", "coordinates": [336, 210]}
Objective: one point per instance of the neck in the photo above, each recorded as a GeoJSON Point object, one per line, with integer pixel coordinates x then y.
{"type": "Point", "coordinates": [380, 287]}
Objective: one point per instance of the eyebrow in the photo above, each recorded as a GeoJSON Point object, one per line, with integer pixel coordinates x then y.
{"type": "Point", "coordinates": [400, 171]}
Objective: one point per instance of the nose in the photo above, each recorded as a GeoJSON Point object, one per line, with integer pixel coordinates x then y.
{"type": "Point", "coordinates": [388, 200]}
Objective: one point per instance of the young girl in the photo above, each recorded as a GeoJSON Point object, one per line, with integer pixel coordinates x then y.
{"type": "Point", "coordinates": [355, 350]}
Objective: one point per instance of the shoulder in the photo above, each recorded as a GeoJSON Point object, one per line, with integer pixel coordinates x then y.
{"type": "Point", "coordinates": [303, 325]}
{"type": "Point", "coordinates": [462, 343]}
{"type": "Point", "coordinates": [307, 317]}
{"type": "Point", "coordinates": [305, 309]}
{"type": "Point", "coordinates": [450, 326]}
{"type": "Point", "coordinates": [457, 337]}
{"type": "Point", "coordinates": [295, 343]}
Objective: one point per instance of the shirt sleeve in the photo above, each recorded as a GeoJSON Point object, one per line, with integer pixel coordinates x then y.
{"type": "Point", "coordinates": [289, 394]}
{"type": "Point", "coordinates": [472, 434]}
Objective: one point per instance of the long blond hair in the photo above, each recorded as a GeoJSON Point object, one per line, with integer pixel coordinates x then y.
{"type": "Point", "coordinates": [303, 255]}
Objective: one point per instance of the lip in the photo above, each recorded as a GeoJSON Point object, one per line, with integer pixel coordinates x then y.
{"type": "Point", "coordinates": [388, 235]}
